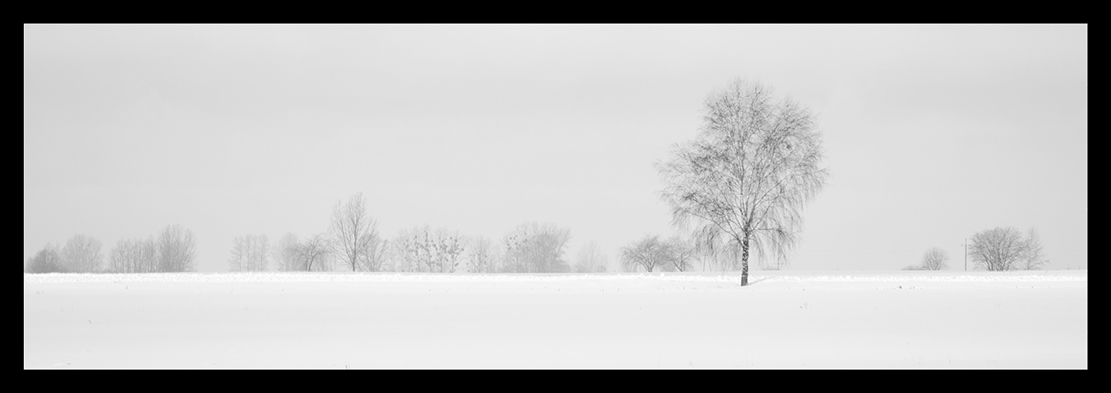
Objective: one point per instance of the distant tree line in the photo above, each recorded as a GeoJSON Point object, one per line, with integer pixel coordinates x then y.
{"type": "Point", "coordinates": [739, 187]}
{"type": "Point", "coordinates": [998, 249]}
{"type": "Point", "coordinates": [353, 242]}
{"type": "Point", "coordinates": [173, 250]}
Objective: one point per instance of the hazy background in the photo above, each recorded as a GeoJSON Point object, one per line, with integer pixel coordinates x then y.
{"type": "Point", "coordinates": [932, 133]}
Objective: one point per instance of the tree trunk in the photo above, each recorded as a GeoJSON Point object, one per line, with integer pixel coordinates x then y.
{"type": "Point", "coordinates": [744, 261]}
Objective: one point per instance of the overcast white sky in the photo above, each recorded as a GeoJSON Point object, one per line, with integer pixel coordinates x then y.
{"type": "Point", "coordinates": [932, 133]}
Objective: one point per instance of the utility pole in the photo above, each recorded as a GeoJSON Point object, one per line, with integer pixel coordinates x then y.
{"type": "Point", "coordinates": [966, 254]}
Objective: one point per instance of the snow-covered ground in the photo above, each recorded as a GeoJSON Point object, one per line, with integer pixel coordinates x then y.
{"type": "Point", "coordinates": [784, 319]}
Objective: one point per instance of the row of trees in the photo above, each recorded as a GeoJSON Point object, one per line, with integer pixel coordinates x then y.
{"type": "Point", "coordinates": [173, 250]}
{"type": "Point", "coordinates": [998, 249]}
{"type": "Point", "coordinates": [739, 186]}
{"type": "Point", "coordinates": [354, 242]}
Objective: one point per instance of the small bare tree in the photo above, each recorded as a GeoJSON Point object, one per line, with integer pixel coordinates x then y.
{"type": "Point", "coordinates": [315, 253]}
{"type": "Point", "coordinates": [935, 259]}
{"type": "Point", "coordinates": [998, 249]}
{"type": "Point", "coordinates": [1034, 258]}
{"type": "Point", "coordinates": [285, 253]}
{"type": "Point", "coordinates": [47, 260]}
{"type": "Point", "coordinates": [177, 250]}
{"type": "Point", "coordinates": [513, 260]}
{"type": "Point", "coordinates": [123, 257]}
{"type": "Point", "coordinates": [427, 250]}
{"type": "Point", "coordinates": [415, 247]}
{"type": "Point", "coordinates": [681, 254]}
{"type": "Point", "coordinates": [648, 253]}
{"type": "Point", "coordinates": [249, 253]}
{"type": "Point", "coordinates": [355, 236]}
{"type": "Point", "coordinates": [134, 256]}
{"type": "Point", "coordinates": [81, 254]}
{"type": "Point", "coordinates": [537, 248]}
{"type": "Point", "coordinates": [590, 259]}
{"type": "Point", "coordinates": [481, 256]}
{"type": "Point", "coordinates": [449, 247]}
{"type": "Point", "coordinates": [744, 180]}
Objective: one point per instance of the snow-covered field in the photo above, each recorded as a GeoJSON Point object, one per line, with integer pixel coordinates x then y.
{"type": "Point", "coordinates": [783, 319]}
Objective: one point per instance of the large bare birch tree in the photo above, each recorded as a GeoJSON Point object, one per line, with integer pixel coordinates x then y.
{"type": "Point", "coordinates": [743, 181]}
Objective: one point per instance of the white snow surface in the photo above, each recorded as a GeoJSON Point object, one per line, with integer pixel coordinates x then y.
{"type": "Point", "coordinates": [783, 319]}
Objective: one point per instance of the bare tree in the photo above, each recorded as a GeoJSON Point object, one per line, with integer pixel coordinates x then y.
{"type": "Point", "coordinates": [315, 253]}
{"type": "Point", "coordinates": [648, 253]}
{"type": "Point", "coordinates": [47, 260]}
{"type": "Point", "coordinates": [81, 254]}
{"type": "Point", "coordinates": [177, 249]}
{"type": "Point", "coordinates": [512, 259]}
{"type": "Point", "coordinates": [590, 259]}
{"type": "Point", "coordinates": [427, 250]}
{"type": "Point", "coordinates": [746, 177]}
{"type": "Point", "coordinates": [449, 248]}
{"type": "Point", "coordinates": [681, 254]}
{"type": "Point", "coordinates": [998, 249]}
{"type": "Point", "coordinates": [240, 252]}
{"type": "Point", "coordinates": [376, 252]}
{"type": "Point", "coordinates": [537, 248]}
{"type": "Point", "coordinates": [935, 259]}
{"type": "Point", "coordinates": [134, 256]}
{"type": "Point", "coordinates": [1034, 258]}
{"type": "Point", "coordinates": [249, 253]}
{"type": "Point", "coordinates": [285, 253]}
{"type": "Point", "coordinates": [415, 249]}
{"type": "Point", "coordinates": [124, 256]}
{"type": "Point", "coordinates": [355, 237]}
{"type": "Point", "coordinates": [260, 256]}
{"type": "Point", "coordinates": [481, 256]}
